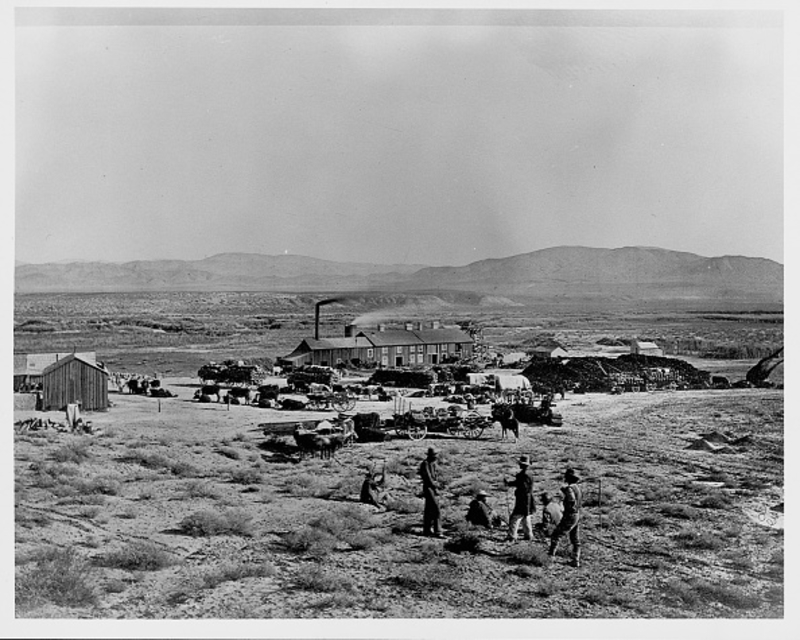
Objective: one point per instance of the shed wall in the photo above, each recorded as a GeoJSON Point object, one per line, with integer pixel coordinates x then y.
{"type": "Point", "coordinates": [72, 382]}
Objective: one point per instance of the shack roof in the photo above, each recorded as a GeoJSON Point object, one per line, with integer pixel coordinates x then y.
{"type": "Point", "coordinates": [74, 356]}
{"type": "Point", "coordinates": [647, 345]}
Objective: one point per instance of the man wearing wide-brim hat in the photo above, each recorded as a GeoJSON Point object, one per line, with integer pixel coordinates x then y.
{"type": "Point", "coordinates": [480, 513]}
{"type": "Point", "coordinates": [431, 516]}
{"type": "Point", "coordinates": [524, 504]}
{"type": "Point", "coordinates": [571, 519]}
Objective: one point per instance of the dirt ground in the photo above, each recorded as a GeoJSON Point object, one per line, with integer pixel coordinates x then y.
{"type": "Point", "coordinates": [181, 510]}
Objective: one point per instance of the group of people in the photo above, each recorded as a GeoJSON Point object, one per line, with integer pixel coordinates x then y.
{"type": "Point", "coordinates": [559, 519]}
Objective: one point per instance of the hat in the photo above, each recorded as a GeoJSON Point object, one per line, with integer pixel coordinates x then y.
{"type": "Point", "coordinates": [525, 460]}
{"type": "Point", "coordinates": [481, 494]}
{"type": "Point", "coordinates": [432, 455]}
{"type": "Point", "coordinates": [569, 476]}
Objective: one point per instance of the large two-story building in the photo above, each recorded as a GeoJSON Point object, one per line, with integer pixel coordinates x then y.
{"type": "Point", "coordinates": [414, 345]}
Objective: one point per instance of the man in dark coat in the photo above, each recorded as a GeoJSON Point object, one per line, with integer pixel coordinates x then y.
{"type": "Point", "coordinates": [570, 521]}
{"type": "Point", "coordinates": [479, 513]}
{"type": "Point", "coordinates": [524, 504]}
{"type": "Point", "coordinates": [431, 517]}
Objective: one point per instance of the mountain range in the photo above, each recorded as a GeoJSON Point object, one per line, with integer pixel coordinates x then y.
{"type": "Point", "coordinates": [627, 273]}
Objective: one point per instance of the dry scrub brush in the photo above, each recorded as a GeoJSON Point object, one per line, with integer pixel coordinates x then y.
{"type": "Point", "coordinates": [210, 523]}
{"type": "Point", "coordinates": [55, 576]}
{"type": "Point", "coordinates": [137, 556]}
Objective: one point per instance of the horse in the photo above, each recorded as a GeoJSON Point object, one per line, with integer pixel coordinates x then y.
{"type": "Point", "coordinates": [504, 414]}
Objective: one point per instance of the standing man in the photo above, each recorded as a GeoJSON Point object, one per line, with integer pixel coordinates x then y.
{"type": "Point", "coordinates": [431, 517]}
{"type": "Point", "coordinates": [570, 521]}
{"type": "Point", "coordinates": [524, 504]}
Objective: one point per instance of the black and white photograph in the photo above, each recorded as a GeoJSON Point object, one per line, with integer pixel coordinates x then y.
{"type": "Point", "coordinates": [434, 322]}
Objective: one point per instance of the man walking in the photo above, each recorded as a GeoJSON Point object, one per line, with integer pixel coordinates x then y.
{"type": "Point", "coordinates": [524, 504]}
{"type": "Point", "coordinates": [431, 517]}
{"type": "Point", "coordinates": [570, 520]}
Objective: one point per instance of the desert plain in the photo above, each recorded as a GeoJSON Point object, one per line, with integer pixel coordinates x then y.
{"type": "Point", "coordinates": [172, 509]}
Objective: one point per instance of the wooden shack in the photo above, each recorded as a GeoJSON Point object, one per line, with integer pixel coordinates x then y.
{"type": "Point", "coordinates": [74, 379]}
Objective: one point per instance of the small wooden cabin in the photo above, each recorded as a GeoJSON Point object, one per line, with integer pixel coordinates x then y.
{"type": "Point", "coordinates": [74, 379]}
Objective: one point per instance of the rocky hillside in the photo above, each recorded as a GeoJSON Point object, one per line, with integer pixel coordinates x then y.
{"type": "Point", "coordinates": [629, 273]}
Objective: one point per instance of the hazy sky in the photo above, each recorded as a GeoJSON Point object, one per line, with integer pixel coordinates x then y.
{"type": "Point", "coordinates": [437, 138]}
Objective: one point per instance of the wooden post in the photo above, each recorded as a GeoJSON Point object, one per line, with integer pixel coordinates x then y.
{"type": "Point", "coordinates": [159, 405]}
{"type": "Point", "coordinates": [600, 499]}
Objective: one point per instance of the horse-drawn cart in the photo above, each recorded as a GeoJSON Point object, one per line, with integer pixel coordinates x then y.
{"type": "Point", "coordinates": [453, 420]}
{"type": "Point", "coordinates": [340, 401]}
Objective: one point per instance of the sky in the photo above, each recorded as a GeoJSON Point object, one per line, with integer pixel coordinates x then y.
{"type": "Point", "coordinates": [396, 137]}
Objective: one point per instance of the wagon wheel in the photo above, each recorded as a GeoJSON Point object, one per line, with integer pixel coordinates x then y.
{"type": "Point", "coordinates": [351, 403]}
{"type": "Point", "coordinates": [341, 402]}
{"type": "Point", "coordinates": [417, 431]}
{"type": "Point", "coordinates": [473, 425]}
{"type": "Point", "coordinates": [454, 426]}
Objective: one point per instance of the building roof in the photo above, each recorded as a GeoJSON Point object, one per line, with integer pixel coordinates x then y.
{"type": "Point", "coordinates": [357, 342]}
{"type": "Point", "coordinates": [74, 356]}
{"type": "Point", "coordinates": [547, 348]}
{"type": "Point", "coordinates": [392, 338]}
{"type": "Point", "coordinates": [34, 364]}
{"type": "Point", "coordinates": [647, 345]}
{"type": "Point", "coordinates": [433, 336]}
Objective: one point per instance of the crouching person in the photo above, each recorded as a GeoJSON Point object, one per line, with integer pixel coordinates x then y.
{"type": "Point", "coordinates": [371, 491]}
{"type": "Point", "coordinates": [480, 514]}
{"type": "Point", "coordinates": [571, 519]}
{"type": "Point", "coordinates": [552, 512]}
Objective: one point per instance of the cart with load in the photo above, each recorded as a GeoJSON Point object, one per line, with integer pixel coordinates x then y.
{"type": "Point", "coordinates": [453, 420]}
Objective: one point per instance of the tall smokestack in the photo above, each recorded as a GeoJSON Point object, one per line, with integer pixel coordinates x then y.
{"type": "Point", "coordinates": [316, 314]}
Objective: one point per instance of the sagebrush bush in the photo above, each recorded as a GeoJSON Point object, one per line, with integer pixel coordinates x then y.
{"type": "Point", "coordinates": [338, 600]}
{"type": "Point", "coordinates": [310, 540]}
{"type": "Point", "coordinates": [247, 475]}
{"type": "Point", "coordinates": [157, 461]}
{"type": "Point", "coordinates": [200, 489]}
{"type": "Point", "coordinates": [308, 485]}
{"type": "Point", "coordinates": [653, 520]}
{"type": "Point", "coordinates": [676, 510]}
{"type": "Point", "coordinates": [697, 592]}
{"type": "Point", "coordinates": [315, 578]}
{"type": "Point", "coordinates": [401, 505]}
{"type": "Point", "coordinates": [137, 556]}
{"type": "Point", "coordinates": [57, 576]}
{"type": "Point", "coordinates": [705, 540]}
{"type": "Point", "coordinates": [76, 452]}
{"type": "Point", "coordinates": [717, 500]}
{"type": "Point", "coordinates": [230, 452]}
{"type": "Point", "coordinates": [529, 554]}
{"type": "Point", "coordinates": [427, 578]}
{"type": "Point", "coordinates": [236, 571]}
{"type": "Point", "coordinates": [468, 541]}
{"type": "Point", "coordinates": [211, 523]}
